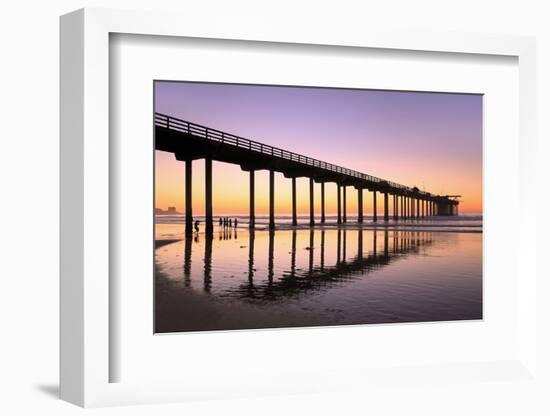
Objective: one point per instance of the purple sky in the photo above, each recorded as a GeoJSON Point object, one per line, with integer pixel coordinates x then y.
{"type": "Point", "coordinates": [429, 140]}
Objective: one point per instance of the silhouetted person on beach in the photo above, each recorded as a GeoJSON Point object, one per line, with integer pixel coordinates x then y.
{"type": "Point", "coordinates": [196, 226]}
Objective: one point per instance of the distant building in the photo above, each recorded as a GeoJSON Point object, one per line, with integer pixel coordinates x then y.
{"type": "Point", "coordinates": [170, 211]}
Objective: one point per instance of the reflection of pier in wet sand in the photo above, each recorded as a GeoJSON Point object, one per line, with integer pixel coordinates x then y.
{"type": "Point", "coordinates": [396, 245]}
{"type": "Point", "coordinates": [310, 277]}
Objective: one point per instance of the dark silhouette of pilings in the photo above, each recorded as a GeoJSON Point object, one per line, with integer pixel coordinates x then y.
{"type": "Point", "coordinates": [345, 209]}
{"type": "Point", "coordinates": [271, 200]}
{"type": "Point", "coordinates": [386, 208]}
{"type": "Point", "coordinates": [252, 216]}
{"type": "Point", "coordinates": [360, 205]}
{"type": "Point", "coordinates": [322, 202]}
{"type": "Point", "coordinates": [374, 208]}
{"type": "Point", "coordinates": [339, 202]}
{"type": "Point", "coordinates": [294, 216]}
{"type": "Point", "coordinates": [403, 206]}
{"type": "Point", "coordinates": [209, 222]}
{"type": "Point", "coordinates": [188, 197]}
{"type": "Point", "coordinates": [311, 203]}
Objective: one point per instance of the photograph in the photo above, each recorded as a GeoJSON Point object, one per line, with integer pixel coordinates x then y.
{"type": "Point", "coordinates": [284, 206]}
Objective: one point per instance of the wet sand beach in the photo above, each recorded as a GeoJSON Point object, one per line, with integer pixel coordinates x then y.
{"type": "Point", "coordinates": [332, 275]}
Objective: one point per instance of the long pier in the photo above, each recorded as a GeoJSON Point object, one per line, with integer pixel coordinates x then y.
{"type": "Point", "coordinates": [190, 141]}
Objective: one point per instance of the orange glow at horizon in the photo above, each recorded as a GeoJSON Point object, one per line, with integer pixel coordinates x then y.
{"type": "Point", "coordinates": [231, 187]}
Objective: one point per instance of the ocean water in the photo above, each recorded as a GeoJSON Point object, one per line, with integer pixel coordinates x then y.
{"type": "Point", "coordinates": [405, 271]}
{"type": "Point", "coordinates": [471, 222]}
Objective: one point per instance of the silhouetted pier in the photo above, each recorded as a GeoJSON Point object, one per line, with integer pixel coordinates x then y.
{"type": "Point", "coordinates": [189, 141]}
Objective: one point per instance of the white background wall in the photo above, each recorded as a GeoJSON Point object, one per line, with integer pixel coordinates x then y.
{"type": "Point", "coordinates": [29, 207]}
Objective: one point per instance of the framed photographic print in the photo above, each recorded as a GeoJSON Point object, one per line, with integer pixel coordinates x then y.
{"type": "Point", "coordinates": [236, 207]}
{"type": "Point", "coordinates": [343, 246]}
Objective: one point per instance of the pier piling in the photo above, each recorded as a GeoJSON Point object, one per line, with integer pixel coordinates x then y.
{"type": "Point", "coordinates": [311, 203]}
{"type": "Point", "coordinates": [294, 216]}
{"type": "Point", "coordinates": [322, 202]}
{"type": "Point", "coordinates": [386, 208]}
{"type": "Point", "coordinates": [345, 210]}
{"type": "Point", "coordinates": [271, 199]}
{"type": "Point", "coordinates": [360, 205]}
{"type": "Point", "coordinates": [374, 208]}
{"type": "Point", "coordinates": [189, 197]}
{"type": "Point", "coordinates": [252, 217]}
{"type": "Point", "coordinates": [338, 202]}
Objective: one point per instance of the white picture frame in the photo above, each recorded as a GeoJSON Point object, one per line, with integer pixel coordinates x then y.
{"type": "Point", "coordinates": [85, 266]}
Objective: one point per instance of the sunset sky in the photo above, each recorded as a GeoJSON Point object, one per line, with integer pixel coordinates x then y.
{"type": "Point", "coordinates": [429, 140]}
